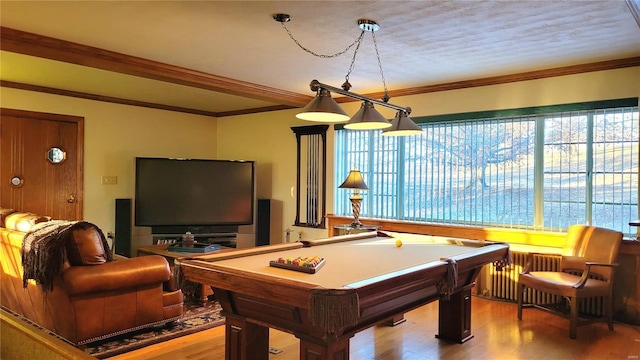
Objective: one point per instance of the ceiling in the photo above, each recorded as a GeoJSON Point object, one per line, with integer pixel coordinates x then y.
{"type": "Point", "coordinates": [222, 58]}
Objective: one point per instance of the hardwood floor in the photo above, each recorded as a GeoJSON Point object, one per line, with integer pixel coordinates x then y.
{"type": "Point", "coordinates": [498, 335]}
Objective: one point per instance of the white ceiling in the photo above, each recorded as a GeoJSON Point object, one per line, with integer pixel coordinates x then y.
{"type": "Point", "coordinates": [420, 43]}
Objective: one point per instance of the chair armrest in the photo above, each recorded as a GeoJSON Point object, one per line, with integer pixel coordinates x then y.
{"type": "Point", "coordinates": [587, 272]}
{"type": "Point", "coordinates": [116, 275]}
{"type": "Point", "coordinates": [593, 263]}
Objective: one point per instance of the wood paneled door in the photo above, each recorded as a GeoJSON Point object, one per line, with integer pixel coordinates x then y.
{"type": "Point", "coordinates": [41, 163]}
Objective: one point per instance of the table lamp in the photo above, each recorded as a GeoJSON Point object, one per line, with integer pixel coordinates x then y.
{"type": "Point", "coordinates": [354, 181]}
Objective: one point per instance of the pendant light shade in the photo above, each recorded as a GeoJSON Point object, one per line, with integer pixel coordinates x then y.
{"type": "Point", "coordinates": [367, 118]}
{"type": "Point", "coordinates": [323, 109]}
{"type": "Point", "coordinates": [402, 125]}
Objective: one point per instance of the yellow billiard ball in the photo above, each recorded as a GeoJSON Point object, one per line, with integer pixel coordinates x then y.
{"type": "Point", "coordinates": [398, 243]}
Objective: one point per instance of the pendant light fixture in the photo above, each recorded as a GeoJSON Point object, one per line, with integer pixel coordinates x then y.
{"type": "Point", "coordinates": [323, 108]}
{"type": "Point", "coordinates": [402, 125]}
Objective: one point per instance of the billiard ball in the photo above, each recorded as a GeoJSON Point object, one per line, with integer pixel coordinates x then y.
{"type": "Point", "coordinates": [398, 243]}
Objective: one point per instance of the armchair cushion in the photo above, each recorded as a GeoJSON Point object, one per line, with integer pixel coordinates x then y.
{"type": "Point", "coordinates": [3, 214]}
{"type": "Point", "coordinates": [21, 221]}
{"type": "Point", "coordinates": [116, 275]}
{"type": "Point", "coordinates": [84, 247]}
{"type": "Point", "coordinates": [44, 250]}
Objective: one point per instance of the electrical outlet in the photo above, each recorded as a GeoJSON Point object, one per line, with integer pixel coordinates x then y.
{"type": "Point", "coordinates": [109, 180]}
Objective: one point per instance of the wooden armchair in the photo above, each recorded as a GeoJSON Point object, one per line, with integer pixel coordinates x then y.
{"type": "Point", "coordinates": [586, 270]}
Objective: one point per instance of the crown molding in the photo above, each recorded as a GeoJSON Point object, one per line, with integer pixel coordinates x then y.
{"type": "Point", "coordinates": [60, 50]}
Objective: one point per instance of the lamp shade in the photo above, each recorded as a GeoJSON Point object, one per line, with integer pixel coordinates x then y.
{"type": "Point", "coordinates": [323, 109]}
{"type": "Point", "coordinates": [354, 181]}
{"type": "Point", "coordinates": [367, 118]}
{"type": "Point", "coordinates": [402, 125]}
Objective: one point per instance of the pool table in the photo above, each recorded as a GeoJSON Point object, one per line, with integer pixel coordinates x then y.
{"type": "Point", "coordinates": [366, 279]}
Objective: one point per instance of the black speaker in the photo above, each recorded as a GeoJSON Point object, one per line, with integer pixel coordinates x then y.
{"type": "Point", "coordinates": [263, 222]}
{"type": "Point", "coordinates": [123, 227]}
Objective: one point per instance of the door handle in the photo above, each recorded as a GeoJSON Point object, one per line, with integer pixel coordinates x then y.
{"type": "Point", "coordinates": [71, 199]}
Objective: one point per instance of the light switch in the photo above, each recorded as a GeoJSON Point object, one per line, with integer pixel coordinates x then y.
{"type": "Point", "coordinates": [109, 180]}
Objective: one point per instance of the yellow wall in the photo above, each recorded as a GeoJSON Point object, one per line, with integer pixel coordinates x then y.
{"type": "Point", "coordinates": [115, 134]}
{"type": "Point", "coordinates": [602, 85]}
{"type": "Point", "coordinates": [268, 139]}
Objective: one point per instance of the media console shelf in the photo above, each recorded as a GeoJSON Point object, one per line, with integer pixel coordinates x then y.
{"type": "Point", "coordinates": [223, 239]}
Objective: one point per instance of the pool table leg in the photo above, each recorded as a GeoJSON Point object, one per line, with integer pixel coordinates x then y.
{"type": "Point", "coordinates": [454, 316]}
{"type": "Point", "coordinates": [395, 320]}
{"type": "Point", "coordinates": [245, 340]}
{"type": "Point", "coordinates": [316, 349]}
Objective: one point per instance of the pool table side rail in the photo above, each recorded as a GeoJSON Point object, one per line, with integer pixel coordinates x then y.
{"type": "Point", "coordinates": [343, 238]}
{"type": "Point", "coordinates": [249, 251]}
{"type": "Point", "coordinates": [285, 291]}
{"type": "Point", "coordinates": [282, 304]}
{"type": "Point", "coordinates": [490, 253]}
{"type": "Point", "coordinates": [405, 290]}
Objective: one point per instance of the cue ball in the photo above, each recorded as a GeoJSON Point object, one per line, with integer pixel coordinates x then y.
{"type": "Point", "coordinates": [398, 243]}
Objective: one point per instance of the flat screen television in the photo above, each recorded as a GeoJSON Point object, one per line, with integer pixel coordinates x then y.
{"type": "Point", "coordinates": [193, 192]}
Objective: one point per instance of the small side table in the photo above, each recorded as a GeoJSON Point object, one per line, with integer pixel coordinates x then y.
{"type": "Point", "coordinates": [346, 229]}
{"type": "Point", "coordinates": [204, 290]}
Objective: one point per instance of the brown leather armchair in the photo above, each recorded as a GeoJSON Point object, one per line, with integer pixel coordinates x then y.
{"type": "Point", "coordinates": [586, 270]}
{"type": "Point", "coordinates": [82, 295]}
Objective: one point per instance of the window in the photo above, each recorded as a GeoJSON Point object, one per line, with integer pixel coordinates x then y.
{"type": "Point", "coordinates": [536, 168]}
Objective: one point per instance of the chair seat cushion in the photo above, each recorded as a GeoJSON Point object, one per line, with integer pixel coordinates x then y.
{"type": "Point", "coordinates": [548, 281]}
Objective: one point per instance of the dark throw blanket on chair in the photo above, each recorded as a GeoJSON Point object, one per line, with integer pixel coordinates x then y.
{"type": "Point", "coordinates": [43, 250]}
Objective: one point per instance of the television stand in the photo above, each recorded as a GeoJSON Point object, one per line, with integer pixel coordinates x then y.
{"type": "Point", "coordinates": [222, 239]}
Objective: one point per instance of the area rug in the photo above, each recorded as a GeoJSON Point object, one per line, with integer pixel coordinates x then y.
{"type": "Point", "coordinates": [196, 318]}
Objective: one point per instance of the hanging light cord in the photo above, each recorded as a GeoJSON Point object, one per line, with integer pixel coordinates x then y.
{"type": "Point", "coordinates": [347, 85]}
{"type": "Point", "coordinates": [358, 40]}
{"type": "Point", "coordinates": [282, 18]}
{"type": "Point", "coordinates": [386, 96]}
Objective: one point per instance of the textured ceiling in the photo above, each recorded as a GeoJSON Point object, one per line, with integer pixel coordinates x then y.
{"type": "Point", "coordinates": [420, 43]}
